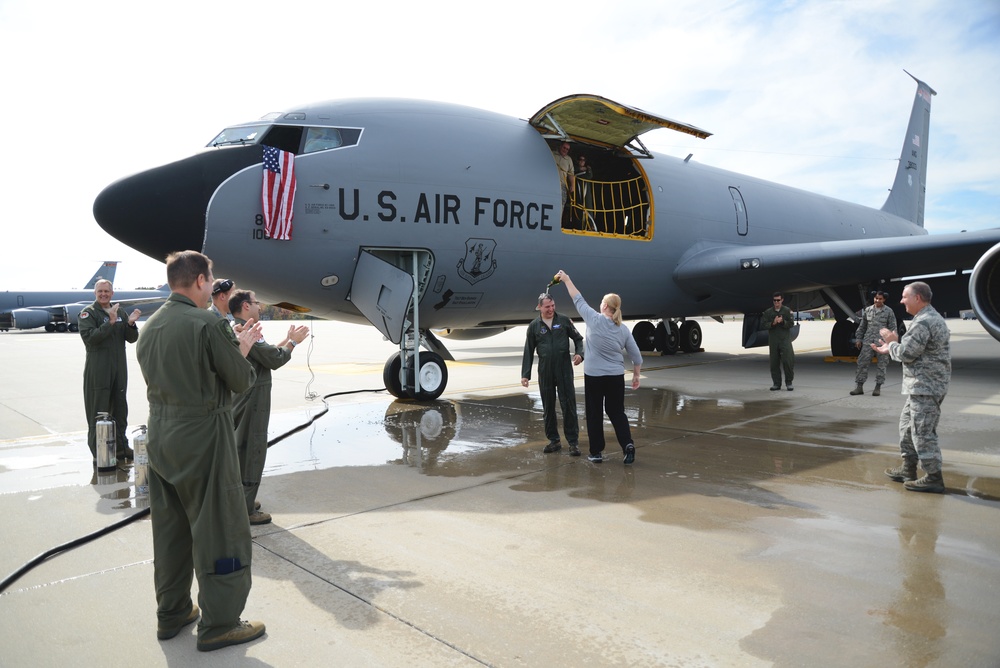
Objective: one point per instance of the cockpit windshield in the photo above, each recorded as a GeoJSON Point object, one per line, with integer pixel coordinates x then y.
{"type": "Point", "coordinates": [243, 134]}
{"type": "Point", "coordinates": [295, 139]}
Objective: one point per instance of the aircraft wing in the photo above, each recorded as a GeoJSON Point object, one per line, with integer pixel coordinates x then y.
{"type": "Point", "coordinates": [140, 301]}
{"type": "Point", "coordinates": [710, 268]}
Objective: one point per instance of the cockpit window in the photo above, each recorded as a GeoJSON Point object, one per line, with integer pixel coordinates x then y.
{"type": "Point", "coordinates": [244, 134]}
{"type": "Point", "coordinates": [292, 138]}
{"type": "Point", "coordinates": [321, 139]}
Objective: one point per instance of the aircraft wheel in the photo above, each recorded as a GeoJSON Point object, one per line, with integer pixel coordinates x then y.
{"type": "Point", "coordinates": [392, 376]}
{"type": "Point", "coordinates": [49, 327]}
{"type": "Point", "coordinates": [842, 339]}
{"type": "Point", "coordinates": [74, 327]}
{"type": "Point", "coordinates": [668, 337]}
{"type": "Point", "coordinates": [433, 377]}
{"type": "Point", "coordinates": [645, 335]}
{"type": "Point", "coordinates": [62, 327]}
{"type": "Point", "coordinates": [690, 336]}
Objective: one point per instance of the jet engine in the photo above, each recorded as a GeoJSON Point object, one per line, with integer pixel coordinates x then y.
{"type": "Point", "coordinates": [29, 318]}
{"type": "Point", "coordinates": [984, 291]}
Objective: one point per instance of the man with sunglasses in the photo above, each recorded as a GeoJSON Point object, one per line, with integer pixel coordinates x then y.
{"type": "Point", "coordinates": [778, 321]}
{"type": "Point", "coordinates": [252, 408]}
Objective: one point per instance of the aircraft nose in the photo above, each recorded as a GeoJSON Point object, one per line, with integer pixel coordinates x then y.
{"type": "Point", "coordinates": [162, 210]}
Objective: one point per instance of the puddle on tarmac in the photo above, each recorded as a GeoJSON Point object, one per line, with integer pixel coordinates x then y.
{"type": "Point", "coordinates": [715, 440]}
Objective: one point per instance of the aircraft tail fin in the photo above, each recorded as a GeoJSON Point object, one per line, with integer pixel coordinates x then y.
{"type": "Point", "coordinates": [106, 271]}
{"type": "Point", "coordinates": [906, 199]}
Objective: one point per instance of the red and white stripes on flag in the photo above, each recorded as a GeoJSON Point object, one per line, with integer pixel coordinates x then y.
{"type": "Point", "coordinates": [278, 193]}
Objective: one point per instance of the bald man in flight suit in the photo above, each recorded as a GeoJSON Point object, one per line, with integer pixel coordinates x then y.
{"type": "Point", "coordinates": [104, 328]}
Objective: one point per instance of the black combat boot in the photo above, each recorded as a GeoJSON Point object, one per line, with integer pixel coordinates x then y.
{"type": "Point", "coordinates": [860, 389]}
{"type": "Point", "coordinates": [878, 390]}
{"type": "Point", "coordinates": [932, 482]}
{"type": "Point", "coordinates": [907, 471]}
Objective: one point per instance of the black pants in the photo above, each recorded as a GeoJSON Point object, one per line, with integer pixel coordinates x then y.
{"type": "Point", "coordinates": [605, 394]}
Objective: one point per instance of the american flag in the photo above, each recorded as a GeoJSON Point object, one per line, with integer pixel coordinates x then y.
{"type": "Point", "coordinates": [278, 193]}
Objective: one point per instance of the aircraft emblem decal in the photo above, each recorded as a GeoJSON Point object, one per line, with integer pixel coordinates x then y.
{"type": "Point", "coordinates": [478, 262]}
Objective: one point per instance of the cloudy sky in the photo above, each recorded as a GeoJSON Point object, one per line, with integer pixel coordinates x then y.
{"type": "Point", "coordinates": [806, 93]}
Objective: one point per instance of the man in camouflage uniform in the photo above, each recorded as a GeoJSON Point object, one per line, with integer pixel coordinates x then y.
{"type": "Point", "coordinates": [549, 334]}
{"type": "Point", "coordinates": [926, 356]}
{"type": "Point", "coordinates": [104, 328]}
{"type": "Point", "coordinates": [252, 411]}
{"type": "Point", "coordinates": [874, 319]}
{"type": "Point", "coordinates": [192, 365]}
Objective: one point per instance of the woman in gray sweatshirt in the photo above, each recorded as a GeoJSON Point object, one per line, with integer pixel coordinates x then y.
{"type": "Point", "coordinates": [604, 370]}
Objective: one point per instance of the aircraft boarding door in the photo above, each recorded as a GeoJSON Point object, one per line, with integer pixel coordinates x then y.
{"type": "Point", "coordinates": [382, 292]}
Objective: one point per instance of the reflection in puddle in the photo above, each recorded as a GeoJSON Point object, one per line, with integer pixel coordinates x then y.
{"type": "Point", "coordinates": [721, 444]}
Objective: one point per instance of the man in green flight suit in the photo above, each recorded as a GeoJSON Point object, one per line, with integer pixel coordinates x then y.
{"type": "Point", "coordinates": [252, 411]}
{"type": "Point", "coordinates": [778, 320]}
{"type": "Point", "coordinates": [104, 328]}
{"type": "Point", "coordinates": [192, 366]}
{"type": "Point", "coordinates": [549, 334]}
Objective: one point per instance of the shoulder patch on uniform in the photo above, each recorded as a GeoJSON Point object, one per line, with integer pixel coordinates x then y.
{"type": "Point", "coordinates": [84, 314]}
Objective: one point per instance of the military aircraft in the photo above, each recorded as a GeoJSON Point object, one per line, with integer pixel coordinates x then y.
{"type": "Point", "coordinates": [58, 311]}
{"type": "Point", "coordinates": [430, 219]}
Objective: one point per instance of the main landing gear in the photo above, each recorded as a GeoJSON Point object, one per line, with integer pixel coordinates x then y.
{"type": "Point", "coordinates": [668, 336]}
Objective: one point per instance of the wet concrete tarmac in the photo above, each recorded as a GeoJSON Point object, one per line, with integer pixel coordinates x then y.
{"type": "Point", "coordinates": [755, 529]}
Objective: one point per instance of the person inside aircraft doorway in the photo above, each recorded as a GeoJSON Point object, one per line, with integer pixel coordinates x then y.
{"type": "Point", "coordinates": [778, 320]}
{"type": "Point", "coordinates": [550, 334]}
{"type": "Point", "coordinates": [567, 180]}
{"type": "Point", "coordinates": [583, 212]}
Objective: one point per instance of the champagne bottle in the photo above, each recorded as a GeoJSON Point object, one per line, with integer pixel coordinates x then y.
{"type": "Point", "coordinates": [555, 281]}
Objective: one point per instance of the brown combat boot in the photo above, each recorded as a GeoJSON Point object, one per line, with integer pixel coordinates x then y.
{"type": "Point", "coordinates": [860, 389]}
{"type": "Point", "coordinates": [243, 632]}
{"type": "Point", "coordinates": [932, 482]}
{"type": "Point", "coordinates": [878, 390]}
{"type": "Point", "coordinates": [904, 472]}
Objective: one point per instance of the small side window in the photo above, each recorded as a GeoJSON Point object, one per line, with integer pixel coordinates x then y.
{"type": "Point", "coordinates": [741, 211]}
{"type": "Point", "coordinates": [322, 139]}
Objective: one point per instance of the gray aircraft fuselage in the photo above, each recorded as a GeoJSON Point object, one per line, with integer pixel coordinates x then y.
{"type": "Point", "coordinates": [469, 203]}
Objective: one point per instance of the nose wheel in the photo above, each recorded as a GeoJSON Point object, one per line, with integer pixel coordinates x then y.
{"type": "Point", "coordinates": [433, 376]}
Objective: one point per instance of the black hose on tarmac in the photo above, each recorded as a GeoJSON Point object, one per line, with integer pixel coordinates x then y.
{"type": "Point", "coordinates": [82, 540]}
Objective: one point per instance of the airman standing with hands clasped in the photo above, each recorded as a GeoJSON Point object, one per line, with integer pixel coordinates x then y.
{"type": "Point", "coordinates": [104, 328]}
{"type": "Point", "coordinates": [874, 319]}
{"type": "Point", "coordinates": [252, 409]}
{"type": "Point", "coordinates": [778, 321]}
{"type": "Point", "coordinates": [925, 352]}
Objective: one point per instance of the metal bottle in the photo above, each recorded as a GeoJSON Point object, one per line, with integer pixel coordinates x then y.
{"type": "Point", "coordinates": [140, 461]}
{"type": "Point", "coordinates": [106, 459]}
